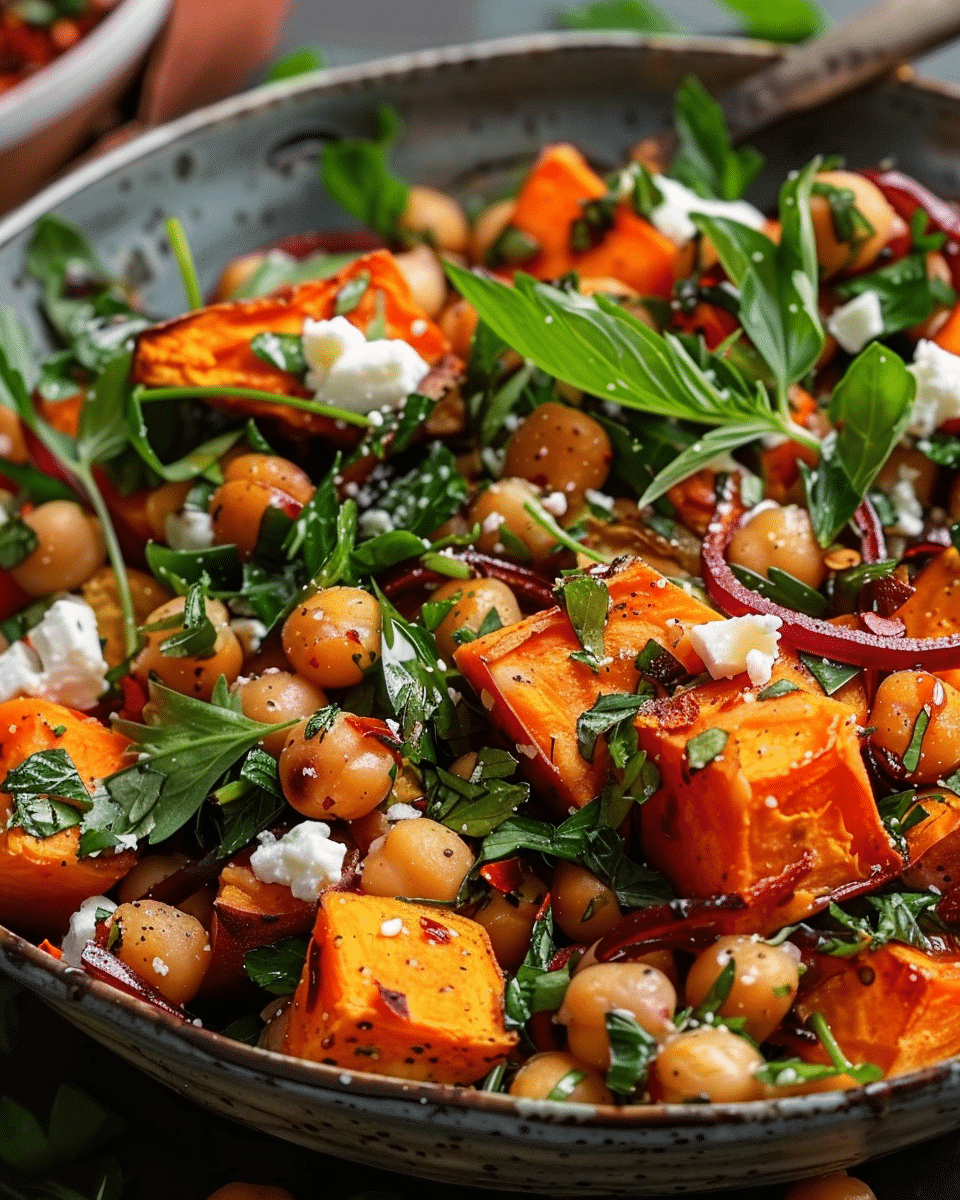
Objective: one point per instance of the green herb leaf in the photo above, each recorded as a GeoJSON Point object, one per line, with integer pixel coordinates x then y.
{"type": "Point", "coordinates": [566, 1085]}
{"type": "Point", "coordinates": [705, 747]}
{"type": "Point", "coordinates": [354, 172]}
{"type": "Point", "coordinates": [198, 634]}
{"type": "Point", "coordinates": [425, 497]}
{"type": "Point", "coordinates": [911, 756]}
{"type": "Point", "coordinates": [587, 601]}
{"type": "Point", "coordinates": [784, 589]}
{"type": "Point", "coordinates": [281, 350]}
{"type": "Point", "coordinates": [903, 288]}
{"type": "Point", "coordinates": [476, 806]}
{"type": "Point", "coordinates": [639, 16]}
{"type": "Point", "coordinates": [48, 773]}
{"type": "Point", "coordinates": [535, 988]}
{"type": "Point", "coordinates": [720, 989]}
{"type": "Point", "coordinates": [277, 968]}
{"type": "Point", "coordinates": [862, 1072]}
{"type": "Point", "coordinates": [706, 161]}
{"type": "Point", "coordinates": [830, 675]}
{"type": "Point", "coordinates": [632, 1050]}
{"type": "Point", "coordinates": [302, 60]}
{"type": "Point", "coordinates": [279, 270]}
{"type": "Point", "coordinates": [779, 20]}
{"type": "Point", "coordinates": [896, 919]}
{"type": "Point", "coordinates": [606, 714]}
{"type": "Point", "coordinates": [352, 293]}
{"type": "Point", "coordinates": [780, 687]}
{"type": "Point", "coordinates": [17, 542]}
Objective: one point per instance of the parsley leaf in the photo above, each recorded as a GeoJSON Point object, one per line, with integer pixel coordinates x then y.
{"type": "Point", "coordinates": [277, 968]}
{"type": "Point", "coordinates": [475, 806]}
{"type": "Point", "coordinates": [896, 918]}
{"type": "Point", "coordinates": [609, 711]}
{"type": "Point", "coordinates": [829, 674]}
{"type": "Point", "coordinates": [632, 1050]}
{"type": "Point", "coordinates": [535, 988]}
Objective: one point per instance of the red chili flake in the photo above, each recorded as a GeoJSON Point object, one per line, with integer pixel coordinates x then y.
{"type": "Point", "coordinates": [395, 1001]}
{"type": "Point", "coordinates": [505, 876]}
{"type": "Point", "coordinates": [434, 931]}
{"type": "Point", "coordinates": [677, 713]}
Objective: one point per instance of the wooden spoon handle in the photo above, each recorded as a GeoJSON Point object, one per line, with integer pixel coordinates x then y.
{"type": "Point", "coordinates": [853, 53]}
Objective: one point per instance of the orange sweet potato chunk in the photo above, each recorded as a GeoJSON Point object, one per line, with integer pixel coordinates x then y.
{"type": "Point", "coordinates": [422, 1000]}
{"type": "Point", "coordinates": [933, 611]}
{"type": "Point", "coordinates": [633, 251]}
{"type": "Point", "coordinates": [788, 787]}
{"type": "Point", "coordinates": [42, 880]}
{"type": "Point", "coordinates": [535, 692]}
{"type": "Point", "coordinates": [897, 1007]}
{"type": "Point", "coordinates": [211, 347]}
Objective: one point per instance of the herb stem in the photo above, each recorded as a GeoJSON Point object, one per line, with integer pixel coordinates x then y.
{"type": "Point", "coordinates": [114, 553]}
{"type": "Point", "coordinates": [143, 394]}
{"type": "Point", "coordinates": [543, 519]}
{"type": "Point", "coordinates": [184, 257]}
{"type": "Point", "coordinates": [818, 1023]}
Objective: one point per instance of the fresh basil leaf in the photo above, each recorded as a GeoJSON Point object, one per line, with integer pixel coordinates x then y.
{"type": "Point", "coordinates": [703, 452]}
{"type": "Point", "coordinates": [198, 460]}
{"type": "Point", "coordinates": [281, 350]}
{"type": "Point", "coordinates": [848, 584]}
{"type": "Point", "coordinates": [587, 601]}
{"type": "Point", "coordinates": [41, 816]}
{"type": "Point", "coordinates": [36, 485]}
{"type": "Point", "coordinates": [17, 542]}
{"type": "Point", "coordinates": [383, 551]}
{"type": "Point", "coordinates": [830, 675]}
{"type": "Point", "coordinates": [191, 744]}
{"type": "Point", "coordinates": [706, 162]}
{"type": "Point", "coordinates": [911, 756]}
{"type": "Point", "coordinates": [941, 448]}
{"type": "Point", "coordinates": [783, 589]}
{"type": "Point", "coordinates": [178, 570]}
{"type": "Point", "coordinates": [277, 968]}
{"type": "Point", "coordinates": [638, 16]}
{"type": "Point", "coordinates": [245, 815]}
{"type": "Point", "coordinates": [354, 172]}
{"type": "Point", "coordinates": [351, 293]}
{"type": "Point", "coordinates": [606, 714]}
{"type": "Point", "coordinates": [903, 289]}
{"type": "Point", "coordinates": [102, 432]}
{"type": "Point", "coordinates": [779, 20]}
{"type": "Point", "coordinates": [399, 427]}
{"type": "Point", "coordinates": [16, 343]}
{"type": "Point", "coordinates": [720, 989]}
{"type": "Point", "coordinates": [901, 813]}
{"type": "Point", "coordinates": [314, 533]}
{"type": "Point", "coordinates": [632, 1050]}
{"type": "Point", "coordinates": [642, 450]}
{"type": "Point", "coordinates": [705, 747]}
{"type": "Point", "coordinates": [197, 634]}
{"type": "Point", "coordinates": [415, 686]}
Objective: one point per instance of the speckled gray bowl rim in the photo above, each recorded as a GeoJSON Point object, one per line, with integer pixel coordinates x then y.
{"type": "Point", "coordinates": [64, 985]}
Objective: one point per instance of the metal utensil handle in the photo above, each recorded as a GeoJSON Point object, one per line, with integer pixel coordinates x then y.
{"type": "Point", "coordinates": [855, 52]}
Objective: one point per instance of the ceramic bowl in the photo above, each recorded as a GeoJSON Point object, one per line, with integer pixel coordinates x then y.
{"type": "Point", "coordinates": [242, 174]}
{"type": "Point", "coordinates": [46, 119]}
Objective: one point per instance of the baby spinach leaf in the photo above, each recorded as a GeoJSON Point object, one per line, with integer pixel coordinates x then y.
{"type": "Point", "coordinates": [706, 162]}
{"type": "Point", "coordinates": [354, 172]}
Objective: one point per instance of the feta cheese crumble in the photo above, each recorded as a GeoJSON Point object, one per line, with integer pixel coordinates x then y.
{"type": "Point", "coordinates": [83, 928]}
{"type": "Point", "coordinates": [347, 371]}
{"type": "Point", "coordinates": [189, 529]}
{"type": "Point", "coordinates": [738, 644]}
{"type": "Point", "coordinates": [857, 322]}
{"type": "Point", "coordinates": [937, 373]}
{"type": "Point", "coordinates": [63, 661]}
{"type": "Point", "coordinates": [305, 859]}
{"type": "Point", "coordinates": [672, 217]}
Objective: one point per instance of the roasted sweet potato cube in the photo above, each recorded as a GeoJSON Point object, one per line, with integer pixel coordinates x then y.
{"type": "Point", "coordinates": [43, 880]}
{"type": "Point", "coordinates": [897, 1007]}
{"type": "Point", "coordinates": [535, 692]}
{"type": "Point", "coordinates": [933, 611]}
{"type": "Point", "coordinates": [788, 785]}
{"type": "Point", "coordinates": [399, 989]}
{"type": "Point", "coordinates": [211, 347]}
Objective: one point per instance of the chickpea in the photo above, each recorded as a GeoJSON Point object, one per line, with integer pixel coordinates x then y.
{"type": "Point", "coordinates": [463, 767]}
{"type": "Point", "coordinates": [764, 984]}
{"type": "Point", "coordinates": [458, 322]}
{"type": "Point", "coordinates": [423, 272]}
{"type": "Point", "coordinates": [151, 869]}
{"type": "Point", "coordinates": [635, 988]}
{"type": "Point", "coordinates": [237, 509]}
{"type": "Point", "coordinates": [539, 1075]}
{"type": "Point", "coordinates": [583, 906]}
{"type": "Point", "coordinates": [344, 771]}
{"type": "Point", "coordinates": [271, 471]}
{"type": "Point", "coordinates": [12, 446]}
{"type": "Point", "coordinates": [250, 1191]}
{"type": "Point", "coordinates": [709, 1063]}
{"type": "Point", "coordinates": [899, 701]}
{"type": "Point", "coordinates": [475, 598]}
{"type": "Point", "coordinates": [508, 918]}
{"type": "Point", "coordinates": [906, 463]}
{"type": "Point", "coordinates": [418, 858]}
{"type": "Point", "coordinates": [663, 960]}
{"type": "Point", "coordinates": [191, 676]}
{"type": "Point", "coordinates": [488, 227]}
{"type": "Point", "coordinates": [560, 449]}
{"type": "Point", "coordinates": [277, 1020]}
{"type": "Point", "coordinates": [835, 255]}
{"type": "Point", "coordinates": [165, 946]}
{"type": "Point", "coordinates": [164, 501]}
{"type": "Point", "coordinates": [70, 549]}
{"type": "Point", "coordinates": [501, 506]}
{"type": "Point", "coordinates": [275, 698]}
{"type": "Point", "coordinates": [100, 592]}
{"type": "Point", "coordinates": [837, 1186]}
{"type": "Point", "coordinates": [437, 218]}
{"type": "Point", "coordinates": [334, 636]}
{"type": "Point", "coordinates": [782, 538]}
{"type": "Point", "coordinates": [236, 273]}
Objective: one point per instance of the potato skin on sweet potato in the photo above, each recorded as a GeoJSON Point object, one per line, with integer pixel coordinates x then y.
{"type": "Point", "coordinates": [211, 347]}
{"type": "Point", "coordinates": [42, 880]}
{"type": "Point", "coordinates": [399, 989]}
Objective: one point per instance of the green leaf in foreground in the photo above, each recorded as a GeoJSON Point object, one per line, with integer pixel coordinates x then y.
{"type": "Point", "coordinates": [705, 747]}
{"type": "Point", "coordinates": [587, 601]}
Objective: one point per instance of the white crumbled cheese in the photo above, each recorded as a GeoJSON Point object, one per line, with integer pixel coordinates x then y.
{"type": "Point", "coordinates": [937, 373]}
{"type": "Point", "coordinates": [672, 217]}
{"type": "Point", "coordinates": [249, 633]}
{"type": "Point", "coordinates": [83, 928]}
{"type": "Point", "coordinates": [391, 928]}
{"type": "Point", "coordinates": [347, 371]}
{"type": "Point", "coordinates": [189, 529]}
{"type": "Point", "coordinates": [598, 499]}
{"type": "Point", "coordinates": [159, 966]}
{"type": "Point", "coordinates": [63, 661]}
{"type": "Point", "coordinates": [304, 859]}
{"type": "Point", "coordinates": [738, 644]}
{"type": "Point", "coordinates": [374, 521]}
{"type": "Point", "coordinates": [126, 841]}
{"type": "Point", "coordinates": [857, 322]}
{"type": "Point", "coordinates": [908, 508]}
{"type": "Point", "coordinates": [403, 812]}
{"type": "Point", "coordinates": [555, 504]}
